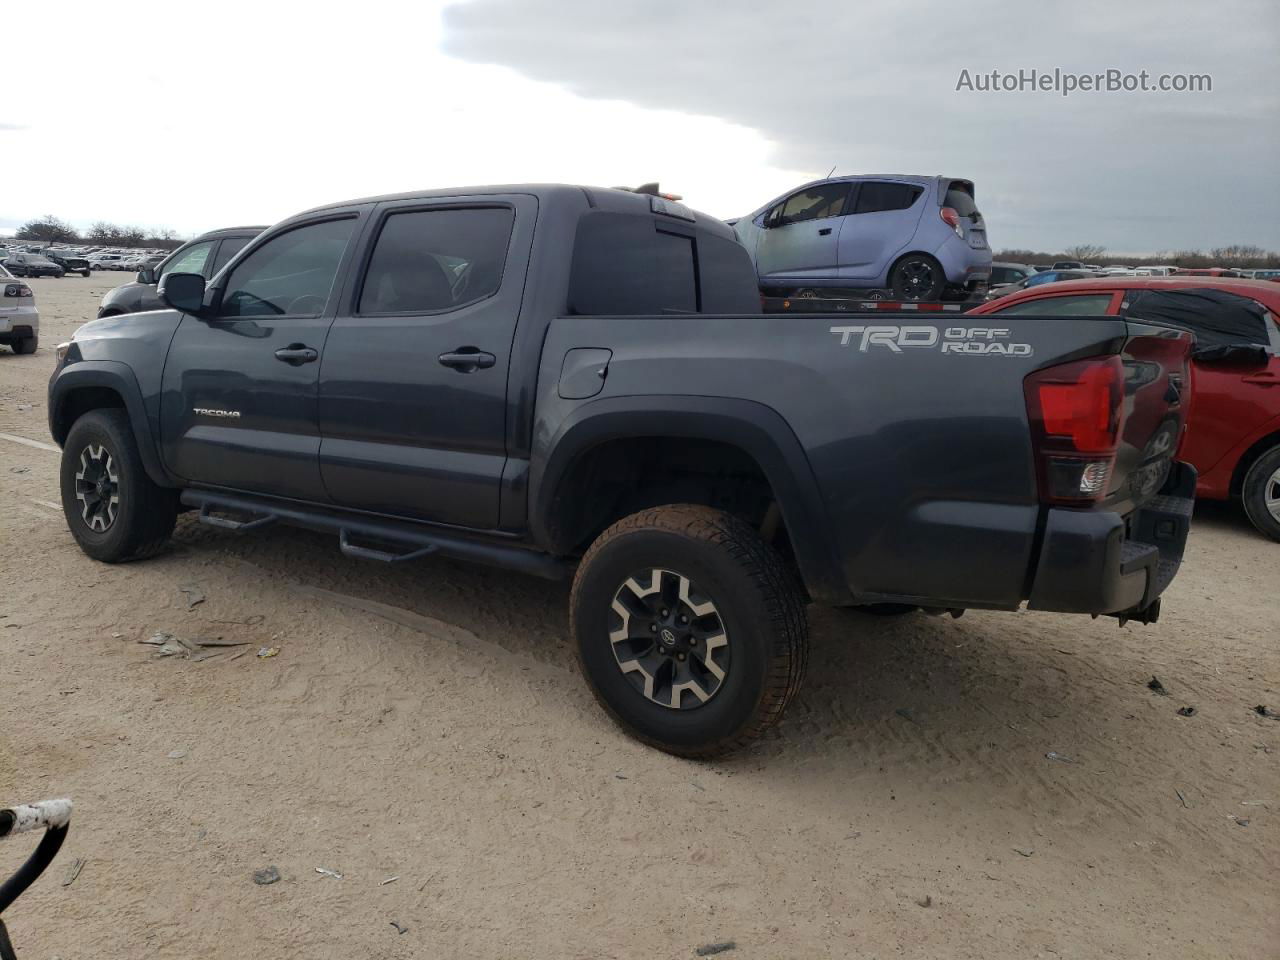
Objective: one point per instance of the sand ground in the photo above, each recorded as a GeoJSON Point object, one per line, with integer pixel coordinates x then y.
{"type": "Point", "coordinates": [427, 723]}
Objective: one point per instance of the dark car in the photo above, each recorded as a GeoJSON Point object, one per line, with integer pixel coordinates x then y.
{"type": "Point", "coordinates": [1004, 275]}
{"type": "Point", "coordinates": [69, 263]}
{"type": "Point", "coordinates": [32, 265]}
{"type": "Point", "coordinates": [205, 255]}
{"type": "Point", "coordinates": [580, 383]}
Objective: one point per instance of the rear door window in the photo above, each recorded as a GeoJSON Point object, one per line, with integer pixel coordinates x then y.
{"type": "Point", "coordinates": [1076, 305]}
{"type": "Point", "coordinates": [815, 203]}
{"type": "Point", "coordinates": [877, 196]}
{"type": "Point", "coordinates": [291, 274]}
{"type": "Point", "coordinates": [428, 261]}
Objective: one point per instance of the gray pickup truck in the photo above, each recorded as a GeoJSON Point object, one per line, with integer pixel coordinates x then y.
{"type": "Point", "coordinates": [579, 383]}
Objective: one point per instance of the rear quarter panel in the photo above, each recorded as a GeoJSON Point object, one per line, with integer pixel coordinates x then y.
{"type": "Point", "coordinates": [922, 457]}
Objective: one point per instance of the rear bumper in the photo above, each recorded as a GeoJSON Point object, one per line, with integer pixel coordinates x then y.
{"type": "Point", "coordinates": [22, 322]}
{"type": "Point", "coordinates": [1099, 562]}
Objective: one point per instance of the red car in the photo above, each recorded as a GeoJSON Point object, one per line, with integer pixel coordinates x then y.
{"type": "Point", "coordinates": [1233, 434]}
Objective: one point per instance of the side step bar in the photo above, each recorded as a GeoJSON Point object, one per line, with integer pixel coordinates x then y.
{"type": "Point", "coordinates": [415, 542]}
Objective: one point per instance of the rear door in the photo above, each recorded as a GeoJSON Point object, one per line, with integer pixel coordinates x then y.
{"type": "Point", "coordinates": [800, 235]}
{"type": "Point", "coordinates": [239, 402]}
{"type": "Point", "coordinates": [882, 221]}
{"type": "Point", "coordinates": [413, 388]}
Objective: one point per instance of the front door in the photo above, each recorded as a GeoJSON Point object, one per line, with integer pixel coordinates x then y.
{"type": "Point", "coordinates": [413, 386]}
{"type": "Point", "coordinates": [239, 402]}
{"type": "Point", "coordinates": [799, 235]}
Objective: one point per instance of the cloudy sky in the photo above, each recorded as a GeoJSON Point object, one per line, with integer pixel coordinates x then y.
{"type": "Point", "coordinates": [159, 116]}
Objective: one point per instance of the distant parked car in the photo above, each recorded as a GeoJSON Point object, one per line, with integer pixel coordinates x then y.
{"type": "Point", "coordinates": [205, 255]}
{"type": "Point", "coordinates": [1005, 275]}
{"type": "Point", "coordinates": [19, 319]}
{"type": "Point", "coordinates": [105, 261]}
{"type": "Point", "coordinates": [68, 262]}
{"type": "Point", "coordinates": [1068, 265]}
{"type": "Point", "coordinates": [1206, 272]}
{"type": "Point", "coordinates": [922, 237]}
{"type": "Point", "coordinates": [1233, 435]}
{"type": "Point", "coordinates": [32, 265]}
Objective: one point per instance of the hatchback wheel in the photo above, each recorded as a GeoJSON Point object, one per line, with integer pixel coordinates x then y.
{"type": "Point", "coordinates": [917, 277]}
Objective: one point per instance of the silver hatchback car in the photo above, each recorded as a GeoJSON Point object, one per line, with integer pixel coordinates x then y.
{"type": "Point", "coordinates": [920, 237]}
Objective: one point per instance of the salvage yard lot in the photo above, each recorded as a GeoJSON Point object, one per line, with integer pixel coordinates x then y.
{"type": "Point", "coordinates": [426, 722]}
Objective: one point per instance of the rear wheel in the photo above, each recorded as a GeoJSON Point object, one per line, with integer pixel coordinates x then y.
{"type": "Point", "coordinates": [113, 509]}
{"type": "Point", "coordinates": [917, 276]}
{"type": "Point", "coordinates": [26, 345]}
{"type": "Point", "coordinates": [1261, 493]}
{"type": "Point", "coordinates": [690, 630]}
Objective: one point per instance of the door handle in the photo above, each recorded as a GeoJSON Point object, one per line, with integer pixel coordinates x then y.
{"type": "Point", "coordinates": [824, 231]}
{"type": "Point", "coordinates": [296, 354]}
{"type": "Point", "coordinates": [468, 360]}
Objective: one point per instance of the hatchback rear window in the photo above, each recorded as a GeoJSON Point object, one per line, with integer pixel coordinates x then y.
{"type": "Point", "coordinates": [961, 201]}
{"type": "Point", "coordinates": [875, 196]}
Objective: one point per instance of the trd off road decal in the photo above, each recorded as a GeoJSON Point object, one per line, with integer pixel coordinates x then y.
{"type": "Point", "coordinates": [983, 341]}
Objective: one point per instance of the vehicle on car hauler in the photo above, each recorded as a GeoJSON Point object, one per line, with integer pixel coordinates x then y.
{"type": "Point", "coordinates": [579, 382]}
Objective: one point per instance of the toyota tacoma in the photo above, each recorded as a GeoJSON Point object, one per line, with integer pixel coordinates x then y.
{"type": "Point", "coordinates": [579, 383]}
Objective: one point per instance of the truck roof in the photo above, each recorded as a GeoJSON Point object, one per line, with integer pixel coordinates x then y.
{"type": "Point", "coordinates": [600, 198]}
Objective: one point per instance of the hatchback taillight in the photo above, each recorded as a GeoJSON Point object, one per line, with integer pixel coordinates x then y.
{"type": "Point", "coordinates": [1075, 410]}
{"type": "Point", "coordinates": [951, 219]}
{"type": "Point", "coordinates": [17, 290]}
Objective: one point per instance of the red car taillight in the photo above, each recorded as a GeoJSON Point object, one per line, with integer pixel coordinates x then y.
{"type": "Point", "coordinates": [951, 219]}
{"type": "Point", "coordinates": [17, 290]}
{"type": "Point", "coordinates": [1075, 410]}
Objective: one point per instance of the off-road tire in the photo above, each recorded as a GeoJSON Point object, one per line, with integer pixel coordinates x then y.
{"type": "Point", "coordinates": [26, 346]}
{"type": "Point", "coordinates": [146, 512]}
{"type": "Point", "coordinates": [757, 597]}
{"type": "Point", "coordinates": [1254, 492]}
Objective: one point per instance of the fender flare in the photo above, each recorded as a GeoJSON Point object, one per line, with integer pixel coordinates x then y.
{"type": "Point", "coordinates": [117, 377]}
{"type": "Point", "coordinates": [757, 430]}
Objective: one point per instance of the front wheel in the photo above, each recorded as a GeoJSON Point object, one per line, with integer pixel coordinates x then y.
{"type": "Point", "coordinates": [113, 509]}
{"type": "Point", "coordinates": [690, 630]}
{"type": "Point", "coordinates": [1261, 493]}
{"type": "Point", "coordinates": [917, 276]}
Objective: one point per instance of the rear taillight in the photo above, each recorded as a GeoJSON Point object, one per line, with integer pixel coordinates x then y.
{"type": "Point", "coordinates": [951, 219]}
{"type": "Point", "coordinates": [1075, 411]}
{"type": "Point", "coordinates": [17, 290]}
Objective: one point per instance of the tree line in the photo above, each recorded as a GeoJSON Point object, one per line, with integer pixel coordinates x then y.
{"type": "Point", "coordinates": [1241, 255]}
{"type": "Point", "coordinates": [51, 229]}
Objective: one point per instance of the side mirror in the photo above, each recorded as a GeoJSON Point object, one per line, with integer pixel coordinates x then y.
{"type": "Point", "coordinates": [182, 291]}
{"type": "Point", "coordinates": [146, 275]}
{"type": "Point", "coordinates": [1245, 356]}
